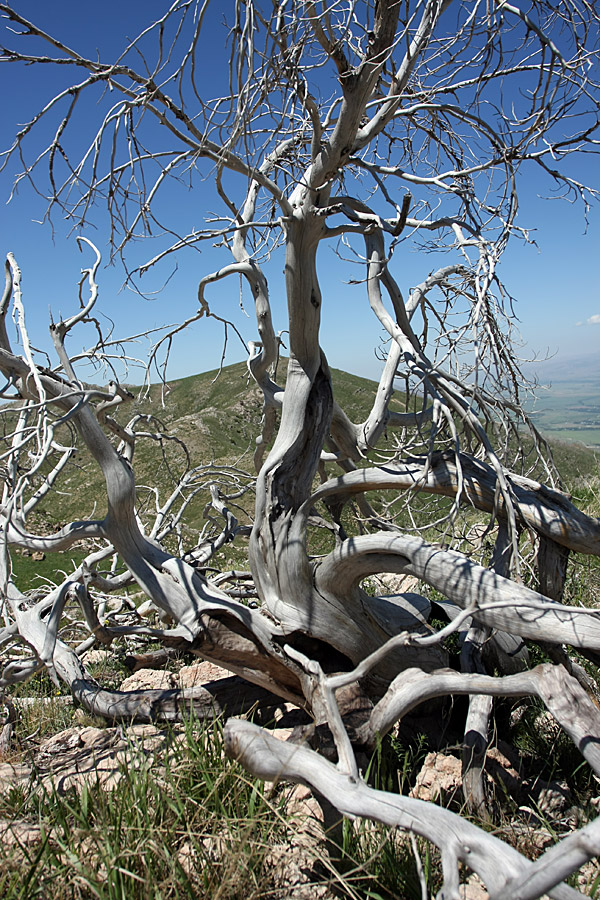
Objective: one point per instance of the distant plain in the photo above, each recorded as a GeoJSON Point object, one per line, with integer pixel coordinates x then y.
{"type": "Point", "coordinates": [567, 407]}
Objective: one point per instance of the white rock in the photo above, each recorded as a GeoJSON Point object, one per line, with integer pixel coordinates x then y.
{"type": "Point", "coordinates": [441, 775]}
{"type": "Point", "coordinates": [473, 889]}
{"type": "Point", "coordinates": [149, 679]}
{"type": "Point", "coordinates": [200, 673]}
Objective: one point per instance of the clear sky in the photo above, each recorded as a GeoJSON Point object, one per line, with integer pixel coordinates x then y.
{"type": "Point", "coordinates": [556, 284]}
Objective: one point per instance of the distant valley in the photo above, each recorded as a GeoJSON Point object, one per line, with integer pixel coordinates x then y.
{"type": "Point", "coordinates": [568, 399]}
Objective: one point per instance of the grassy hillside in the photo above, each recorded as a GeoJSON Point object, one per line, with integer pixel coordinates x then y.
{"type": "Point", "coordinates": [217, 416]}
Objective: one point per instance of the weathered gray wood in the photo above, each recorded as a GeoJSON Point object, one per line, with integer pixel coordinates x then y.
{"type": "Point", "coordinates": [460, 841]}
{"type": "Point", "coordinates": [562, 694]}
{"type": "Point", "coordinates": [480, 706]}
{"type": "Point", "coordinates": [494, 600]}
{"type": "Point", "coordinates": [225, 697]}
{"type": "Point", "coordinates": [552, 559]}
{"type": "Point", "coordinates": [548, 512]}
{"type": "Point", "coordinates": [558, 862]}
{"type": "Point", "coordinates": [476, 727]}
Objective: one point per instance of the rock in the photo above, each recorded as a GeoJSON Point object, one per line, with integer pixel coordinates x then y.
{"type": "Point", "coordinates": [397, 584]}
{"type": "Point", "coordinates": [589, 877]}
{"type": "Point", "coordinates": [299, 867]}
{"type": "Point", "coordinates": [215, 847]}
{"type": "Point", "coordinates": [187, 857]}
{"type": "Point", "coordinates": [478, 532]}
{"type": "Point", "coordinates": [78, 755]}
{"type": "Point", "coordinates": [5, 738]}
{"type": "Point", "coordinates": [147, 607]}
{"type": "Point", "coordinates": [8, 716]}
{"type": "Point", "coordinates": [541, 839]}
{"type": "Point", "coordinates": [295, 872]}
{"type": "Point", "coordinates": [517, 714]}
{"type": "Point", "coordinates": [473, 889]}
{"type": "Point", "coordinates": [532, 839]}
{"type": "Point", "coordinates": [12, 774]}
{"type": "Point", "coordinates": [96, 657]}
{"type": "Point", "coordinates": [95, 756]}
{"type": "Point", "coordinates": [115, 604]}
{"type": "Point", "coordinates": [19, 834]}
{"type": "Point", "coordinates": [552, 797]}
{"type": "Point", "coordinates": [282, 734]}
{"type": "Point", "coordinates": [501, 770]}
{"type": "Point", "coordinates": [149, 679]}
{"type": "Point", "coordinates": [149, 737]}
{"type": "Point", "coordinates": [301, 806]}
{"type": "Point", "coordinates": [440, 777]}
{"type": "Point", "coordinates": [76, 737]}
{"type": "Point", "coordinates": [200, 673]}
{"type": "Point", "coordinates": [546, 725]}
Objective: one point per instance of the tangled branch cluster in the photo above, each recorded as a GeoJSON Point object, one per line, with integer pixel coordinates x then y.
{"type": "Point", "coordinates": [374, 127]}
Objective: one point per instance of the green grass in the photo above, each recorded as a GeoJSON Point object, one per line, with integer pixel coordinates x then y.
{"type": "Point", "coordinates": [380, 863]}
{"type": "Point", "coordinates": [192, 825]}
{"type": "Point", "coordinates": [570, 412]}
{"type": "Point", "coordinates": [189, 823]}
{"type": "Point", "coordinates": [218, 417]}
{"type": "Point", "coordinates": [32, 573]}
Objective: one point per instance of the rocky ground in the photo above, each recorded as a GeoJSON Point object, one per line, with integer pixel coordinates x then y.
{"type": "Point", "coordinates": [89, 755]}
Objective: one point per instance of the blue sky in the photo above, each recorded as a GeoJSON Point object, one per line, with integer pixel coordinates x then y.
{"type": "Point", "coordinates": [555, 283]}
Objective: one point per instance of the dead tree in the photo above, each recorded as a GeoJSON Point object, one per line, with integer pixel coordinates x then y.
{"type": "Point", "coordinates": [383, 126]}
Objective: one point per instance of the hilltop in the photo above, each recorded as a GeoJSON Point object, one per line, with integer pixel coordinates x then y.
{"type": "Point", "coordinates": [217, 416]}
{"type": "Point", "coordinates": [210, 418]}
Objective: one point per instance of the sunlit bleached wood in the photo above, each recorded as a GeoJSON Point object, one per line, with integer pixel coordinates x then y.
{"type": "Point", "coordinates": [459, 841]}
{"type": "Point", "coordinates": [470, 586]}
{"type": "Point", "coordinates": [564, 697]}
{"type": "Point", "coordinates": [548, 512]}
